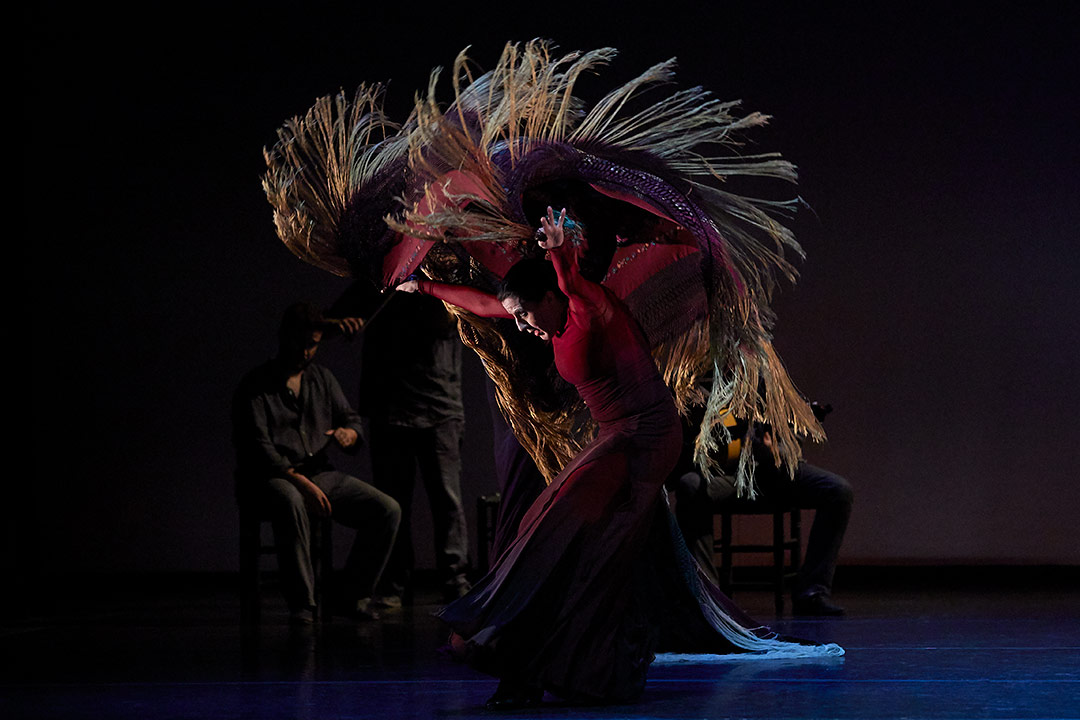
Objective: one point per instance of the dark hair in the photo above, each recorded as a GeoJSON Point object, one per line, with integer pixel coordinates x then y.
{"type": "Point", "coordinates": [529, 280]}
{"type": "Point", "coordinates": [298, 322]}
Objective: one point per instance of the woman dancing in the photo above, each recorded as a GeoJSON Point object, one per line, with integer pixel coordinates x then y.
{"type": "Point", "coordinates": [577, 604]}
{"type": "Point", "coordinates": [597, 575]}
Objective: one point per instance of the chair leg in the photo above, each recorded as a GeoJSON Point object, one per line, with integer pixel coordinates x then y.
{"type": "Point", "coordinates": [725, 573]}
{"type": "Point", "coordinates": [322, 564]}
{"type": "Point", "coordinates": [250, 541]}
{"type": "Point", "coordinates": [778, 561]}
{"type": "Point", "coordinates": [796, 540]}
{"type": "Point", "coordinates": [328, 561]}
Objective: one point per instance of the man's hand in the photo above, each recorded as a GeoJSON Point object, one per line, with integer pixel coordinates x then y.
{"type": "Point", "coordinates": [346, 437]}
{"type": "Point", "coordinates": [349, 325]}
{"type": "Point", "coordinates": [314, 498]}
{"type": "Point", "coordinates": [409, 286]}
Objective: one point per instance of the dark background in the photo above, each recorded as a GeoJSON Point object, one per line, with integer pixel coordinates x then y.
{"type": "Point", "coordinates": [937, 309]}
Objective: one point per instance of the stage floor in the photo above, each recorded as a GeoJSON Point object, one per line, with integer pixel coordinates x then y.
{"type": "Point", "coordinates": [179, 652]}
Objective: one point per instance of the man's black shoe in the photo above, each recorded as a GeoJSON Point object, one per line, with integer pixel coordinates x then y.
{"type": "Point", "coordinates": [818, 604]}
{"type": "Point", "coordinates": [510, 696]}
{"type": "Point", "coordinates": [455, 589]}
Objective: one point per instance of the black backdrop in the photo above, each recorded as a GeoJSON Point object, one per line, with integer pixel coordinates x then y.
{"type": "Point", "coordinates": [937, 309]}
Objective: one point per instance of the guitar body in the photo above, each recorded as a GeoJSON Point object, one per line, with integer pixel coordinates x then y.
{"type": "Point", "coordinates": [737, 428]}
{"type": "Point", "coordinates": [734, 448]}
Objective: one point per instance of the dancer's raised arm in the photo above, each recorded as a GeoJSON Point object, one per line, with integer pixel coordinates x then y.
{"type": "Point", "coordinates": [564, 256]}
{"type": "Point", "coordinates": [540, 296]}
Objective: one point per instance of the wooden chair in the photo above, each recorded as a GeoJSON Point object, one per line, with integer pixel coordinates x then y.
{"type": "Point", "coordinates": [786, 549]}
{"type": "Point", "coordinates": [252, 548]}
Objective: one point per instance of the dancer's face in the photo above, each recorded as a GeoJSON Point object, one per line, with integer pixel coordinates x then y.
{"type": "Point", "coordinates": [544, 319]}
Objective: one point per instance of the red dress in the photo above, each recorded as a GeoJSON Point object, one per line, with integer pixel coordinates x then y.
{"type": "Point", "coordinates": [578, 602]}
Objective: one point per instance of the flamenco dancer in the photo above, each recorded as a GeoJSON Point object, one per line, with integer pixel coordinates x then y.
{"type": "Point", "coordinates": [597, 577]}
{"type": "Point", "coordinates": [569, 607]}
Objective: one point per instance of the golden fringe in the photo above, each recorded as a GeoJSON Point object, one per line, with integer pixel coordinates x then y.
{"type": "Point", "coordinates": [527, 101]}
{"type": "Point", "coordinates": [777, 403]}
{"type": "Point", "coordinates": [319, 162]}
{"type": "Point", "coordinates": [682, 362]}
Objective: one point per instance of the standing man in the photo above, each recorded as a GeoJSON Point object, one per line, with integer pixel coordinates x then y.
{"type": "Point", "coordinates": [410, 390]}
{"type": "Point", "coordinates": [286, 414]}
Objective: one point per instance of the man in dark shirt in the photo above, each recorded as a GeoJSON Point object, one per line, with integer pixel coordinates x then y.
{"type": "Point", "coordinates": [286, 414]}
{"type": "Point", "coordinates": [410, 390]}
{"type": "Point", "coordinates": [828, 494]}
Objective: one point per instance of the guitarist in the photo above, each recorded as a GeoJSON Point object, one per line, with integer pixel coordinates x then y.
{"type": "Point", "coordinates": [812, 488]}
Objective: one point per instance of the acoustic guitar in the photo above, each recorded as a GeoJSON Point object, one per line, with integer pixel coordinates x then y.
{"type": "Point", "coordinates": [737, 428]}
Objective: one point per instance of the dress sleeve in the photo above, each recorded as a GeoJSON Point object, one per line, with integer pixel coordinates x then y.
{"type": "Point", "coordinates": [572, 283]}
{"type": "Point", "coordinates": [475, 301]}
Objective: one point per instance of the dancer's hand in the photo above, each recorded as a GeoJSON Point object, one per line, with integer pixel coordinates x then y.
{"type": "Point", "coordinates": [409, 286]}
{"type": "Point", "coordinates": [551, 229]}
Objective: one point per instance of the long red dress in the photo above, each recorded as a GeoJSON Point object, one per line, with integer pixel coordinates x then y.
{"type": "Point", "coordinates": [578, 602]}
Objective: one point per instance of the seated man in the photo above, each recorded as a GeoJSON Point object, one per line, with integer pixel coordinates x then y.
{"type": "Point", "coordinates": [286, 413]}
{"type": "Point", "coordinates": [828, 494]}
